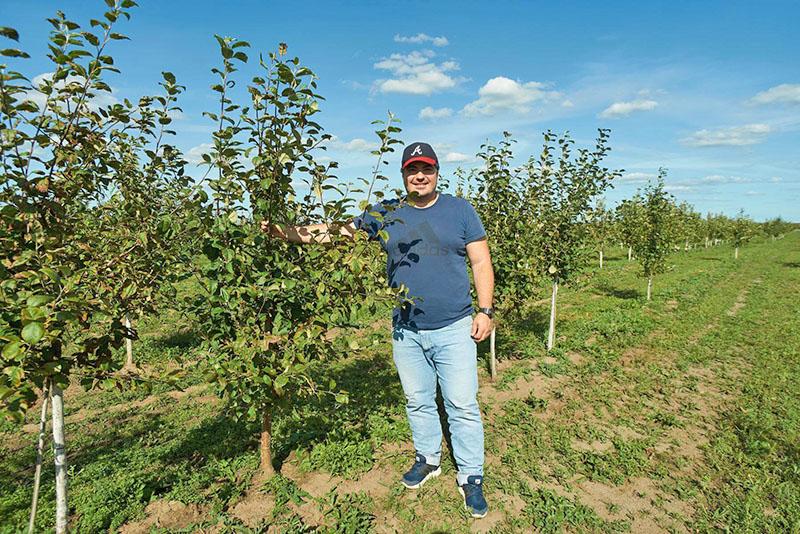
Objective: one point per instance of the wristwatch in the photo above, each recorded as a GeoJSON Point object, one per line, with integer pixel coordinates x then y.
{"type": "Point", "coordinates": [488, 311]}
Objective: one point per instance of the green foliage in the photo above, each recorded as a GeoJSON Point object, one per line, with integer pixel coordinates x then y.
{"type": "Point", "coordinates": [655, 227]}
{"type": "Point", "coordinates": [89, 197]}
{"type": "Point", "coordinates": [560, 194]}
{"type": "Point", "coordinates": [498, 197]}
{"type": "Point", "coordinates": [266, 305]}
{"type": "Point", "coordinates": [742, 230]}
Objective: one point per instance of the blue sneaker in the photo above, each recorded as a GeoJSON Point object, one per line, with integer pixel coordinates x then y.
{"type": "Point", "coordinates": [419, 473]}
{"type": "Point", "coordinates": [472, 491]}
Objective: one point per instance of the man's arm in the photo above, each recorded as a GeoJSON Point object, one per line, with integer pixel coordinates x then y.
{"type": "Point", "coordinates": [483, 275]}
{"type": "Point", "coordinates": [312, 233]}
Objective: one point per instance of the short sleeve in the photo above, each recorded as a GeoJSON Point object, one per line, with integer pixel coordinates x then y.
{"type": "Point", "coordinates": [368, 223]}
{"type": "Point", "coordinates": [472, 225]}
{"type": "Point", "coordinates": [371, 224]}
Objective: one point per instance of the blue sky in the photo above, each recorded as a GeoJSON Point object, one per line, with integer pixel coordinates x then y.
{"type": "Point", "coordinates": [709, 90]}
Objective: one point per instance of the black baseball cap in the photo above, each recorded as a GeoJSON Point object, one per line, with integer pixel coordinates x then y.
{"type": "Point", "coordinates": [419, 152]}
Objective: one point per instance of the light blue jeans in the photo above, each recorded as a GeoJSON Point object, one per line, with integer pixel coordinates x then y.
{"type": "Point", "coordinates": [449, 355]}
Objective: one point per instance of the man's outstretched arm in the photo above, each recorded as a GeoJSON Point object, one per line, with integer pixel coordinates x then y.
{"type": "Point", "coordinates": [311, 233]}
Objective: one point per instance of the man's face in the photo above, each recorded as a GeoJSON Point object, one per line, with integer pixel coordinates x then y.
{"type": "Point", "coordinates": [420, 178]}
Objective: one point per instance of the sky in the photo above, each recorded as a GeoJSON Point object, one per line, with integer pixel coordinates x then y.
{"type": "Point", "coordinates": [708, 90]}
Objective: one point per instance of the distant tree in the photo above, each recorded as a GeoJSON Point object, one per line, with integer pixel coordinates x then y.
{"type": "Point", "coordinates": [601, 227]}
{"type": "Point", "coordinates": [656, 229]}
{"type": "Point", "coordinates": [742, 230]}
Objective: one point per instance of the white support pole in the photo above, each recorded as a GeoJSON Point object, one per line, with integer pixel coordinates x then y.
{"type": "Point", "coordinates": [551, 336]}
{"type": "Point", "coordinates": [60, 453]}
{"type": "Point", "coordinates": [128, 344]}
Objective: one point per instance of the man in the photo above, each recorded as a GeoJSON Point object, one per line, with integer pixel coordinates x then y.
{"type": "Point", "coordinates": [434, 334]}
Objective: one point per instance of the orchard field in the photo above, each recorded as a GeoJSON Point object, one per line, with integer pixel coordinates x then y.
{"type": "Point", "coordinates": [678, 414]}
{"type": "Point", "coordinates": [172, 361]}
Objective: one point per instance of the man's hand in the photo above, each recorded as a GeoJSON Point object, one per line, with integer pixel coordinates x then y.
{"type": "Point", "coordinates": [273, 230]}
{"type": "Point", "coordinates": [481, 327]}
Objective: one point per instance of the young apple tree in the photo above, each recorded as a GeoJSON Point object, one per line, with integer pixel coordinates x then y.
{"type": "Point", "coordinates": [560, 189]}
{"type": "Point", "coordinates": [498, 198]}
{"type": "Point", "coordinates": [63, 155]}
{"type": "Point", "coordinates": [656, 229]}
{"type": "Point", "coordinates": [742, 230]}
{"type": "Point", "coordinates": [601, 227]}
{"type": "Point", "coordinates": [266, 306]}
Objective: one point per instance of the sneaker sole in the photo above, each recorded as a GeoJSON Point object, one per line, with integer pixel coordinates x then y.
{"type": "Point", "coordinates": [474, 514]}
{"type": "Point", "coordinates": [432, 474]}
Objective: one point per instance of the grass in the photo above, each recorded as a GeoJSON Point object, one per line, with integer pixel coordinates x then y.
{"type": "Point", "coordinates": [678, 414]}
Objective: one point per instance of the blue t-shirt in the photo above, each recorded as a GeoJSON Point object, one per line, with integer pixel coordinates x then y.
{"type": "Point", "coordinates": [426, 252]}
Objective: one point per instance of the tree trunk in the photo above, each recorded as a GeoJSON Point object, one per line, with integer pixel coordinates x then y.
{"type": "Point", "coordinates": [37, 477]}
{"type": "Point", "coordinates": [706, 245]}
{"type": "Point", "coordinates": [60, 453]}
{"type": "Point", "coordinates": [649, 286]}
{"type": "Point", "coordinates": [551, 336]}
{"type": "Point", "coordinates": [686, 245]}
{"type": "Point", "coordinates": [736, 253]}
{"type": "Point", "coordinates": [266, 445]}
{"type": "Point", "coordinates": [128, 344]}
{"type": "Point", "coordinates": [601, 258]}
{"type": "Point", "coordinates": [492, 355]}
{"type": "Point", "coordinates": [630, 253]}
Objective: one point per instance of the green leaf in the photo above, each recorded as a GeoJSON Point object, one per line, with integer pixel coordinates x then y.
{"type": "Point", "coordinates": [33, 332]}
{"type": "Point", "coordinates": [10, 33]}
{"type": "Point", "coordinates": [38, 300]}
{"type": "Point", "coordinates": [12, 350]}
{"type": "Point", "coordinates": [13, 52]}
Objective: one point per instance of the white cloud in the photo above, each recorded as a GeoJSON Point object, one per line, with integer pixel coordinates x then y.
{"type": "Point", "coordinates": [503, 94]}
{"type": "Point", "coordinates": [416, 74]}
{"type": "Point", "coordinates": [719, 179]}
{"type": "Point", "coordinates": [678, 187]}
{"type": "Point", "coordinates": [422, 38]}
{"type": "Point", "coordinates": [622, 109]}
{"type": "Point", "coordinates": [749, 134]}
{"type": "Point", "coordinates": [354, 145]}
{"type": "Point", "coordinates": [776, 179]}
{"type": "Point", "coordinates": [785, 93]}
{"type": "Point", "coordinates": [195, 154]}
{"type": "Point", "coordinates": [101, 99]}
{"type": "Point", "coordinates": [456, 157]}
{"type": "Point", "coordinates": [636, 177]}
{"type": "Point", "coordinates": [429, 113]}
{"type": "Point", "coordinates": [752, 193]}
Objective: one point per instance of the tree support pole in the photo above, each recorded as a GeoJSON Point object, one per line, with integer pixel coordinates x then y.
{"type": "Point", "coordinates": [128, 343]}
{"type": "Point", "coordinates": [649, 286]}
{"type": "Point", "coordinates": [37, 477]}
{"type": "Point", "coordinates": [551, 336]}
{"type": "Point", "coordinates": [492, 355]}
{"type": "Point", "coordinates": [60, 453]}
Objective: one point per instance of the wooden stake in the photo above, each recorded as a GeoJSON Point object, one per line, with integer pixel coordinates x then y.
{"type": "Point", "coordinates": [493, 356]}
{"type": "Point", "coordinates": [37, 477]}
{"type": "Point", "coordinates": [649, 286]}
{"type": "Point", "coordinates": [601, 258]}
